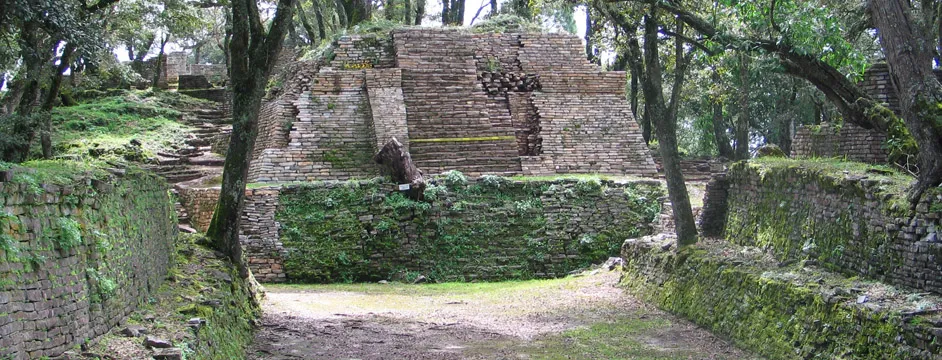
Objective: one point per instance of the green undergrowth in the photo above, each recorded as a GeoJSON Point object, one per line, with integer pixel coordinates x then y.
{"type": "Point", "coordinates": [793, 311]}
{"type": "Point", "coordinates": [103, 127]}
{"type": "Point", "coordinates": [199, 285]}
{"type": "Point", "coordinates": [490, 229]}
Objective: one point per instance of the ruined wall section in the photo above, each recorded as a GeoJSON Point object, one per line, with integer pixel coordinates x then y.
{"type": "Point", "coordinates": [449, 124]}
{"type": "Point", "coordinates": [76, 259]}
{"type": "Point", "coordinates": [849, 140]}
{"type": "Point", "coordinates": [857, 225]}
{"type": "Point", "coordinates": [330, 137]}
{"type": "Point", "coordinates": [585, 124]}
{"type": "Point", "coordinates": [384, 87]}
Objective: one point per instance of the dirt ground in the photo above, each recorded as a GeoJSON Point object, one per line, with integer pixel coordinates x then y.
{"type": "Point", "coordinates": [584, 317]}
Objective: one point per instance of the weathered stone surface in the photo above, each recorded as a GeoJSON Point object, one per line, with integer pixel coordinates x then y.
{"type": "Point", "coordinates": [155, 342]}
{"type": "Point", "coordinates": [168, 354]}
{"type": "Point", "coordinates": [52, 298]}
{"type": "Point", "coordinates": [478, 103]}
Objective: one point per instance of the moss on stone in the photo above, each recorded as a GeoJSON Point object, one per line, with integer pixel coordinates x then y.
{"type": "Point", "coordinates": [782, 313]}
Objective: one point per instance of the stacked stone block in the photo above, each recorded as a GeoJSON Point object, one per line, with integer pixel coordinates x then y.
{"type": "Point", "coordinates": [384, 88]}
{"type": "Point", "coordinates": [479, 103]}
{"type": "Point", "coordinates": [850, 141]}
{"type": "Point", "coordinates": [850, 224]}
{"type": "Point", "coordinates": [50, 295]}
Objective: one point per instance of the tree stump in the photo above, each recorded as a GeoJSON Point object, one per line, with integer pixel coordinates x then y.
{"type": "Point", "coordinates": [395, 162]}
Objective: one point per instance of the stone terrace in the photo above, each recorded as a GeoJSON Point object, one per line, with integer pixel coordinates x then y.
{"type": "Point", "coordinates": [479, 103]}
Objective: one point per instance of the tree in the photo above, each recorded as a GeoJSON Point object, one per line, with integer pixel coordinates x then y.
{"type": "Point", "coordinates": [665, 117]}
{"type": "Point", "coordinates": [908, 49]}
{"type": "Point", "coordinates": [452, 12]}
{"type": "Point", "coordinates": [811, 44]}
{"type": "Point", "coordinates": [253, 52]}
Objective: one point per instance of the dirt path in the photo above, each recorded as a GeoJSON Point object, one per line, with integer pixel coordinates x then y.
{"type": "Point", "coordinates": [574, 318]}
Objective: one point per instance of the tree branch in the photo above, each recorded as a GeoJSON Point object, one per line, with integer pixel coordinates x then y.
{"type": "Point", "coordinates": [690, 41]}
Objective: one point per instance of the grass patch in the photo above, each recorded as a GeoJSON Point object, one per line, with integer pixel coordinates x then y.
{"type": "Point", "coordinates": [103, 127]}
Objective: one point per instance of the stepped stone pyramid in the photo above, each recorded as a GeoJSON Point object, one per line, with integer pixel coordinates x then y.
{"type": "Point", "coordinates": [508, 104]}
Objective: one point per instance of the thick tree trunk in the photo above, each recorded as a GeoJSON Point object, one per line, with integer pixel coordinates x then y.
{"type": "Point", "coordinates": [908, 53]}
{"type": "Point", "coordinates": [319, 16]}
{"type": "Point", "coordinates": [52, 94]}
{"type": "Point", "coordinates": [742, 121]}
{"type": "Point", "coordinates": [719, 124]}
{"type": "Point", "coordinates": [667, 137]}
{"type": "Point", "coordinates": [453, 12]}
{"type": "Point", "coordinates": [590, 53]}
{"type": "Point", "coordinates": [252, 58]}
{"type": "Point", "coordinates": [419, 12]}
{"type": "Point", "coordinates": [396, 163]}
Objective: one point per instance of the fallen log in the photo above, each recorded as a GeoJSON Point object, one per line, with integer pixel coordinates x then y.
{"type": "Point", "coordinates": [395, 162]}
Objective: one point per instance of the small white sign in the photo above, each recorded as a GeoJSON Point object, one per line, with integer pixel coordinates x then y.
{"type": "Point", "coordinates": [404, 187]}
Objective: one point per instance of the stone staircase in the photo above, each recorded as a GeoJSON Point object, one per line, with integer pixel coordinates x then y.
{"type": "Point", "coordinates": [471, 157]}
{"type": "Point", "coordinates": [196, 159]}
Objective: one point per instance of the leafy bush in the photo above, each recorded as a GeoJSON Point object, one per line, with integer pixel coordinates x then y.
{"type": "Point", "coordinates": [455, 179]}
{"type": "Point", "coordinates": [494, 182]}
{"type": "Point", "coordinates": [506, 23]}
{"type": "Point", "coordinates": [435, 192]}
{"type": "Point", "coordinates": [70, 234]}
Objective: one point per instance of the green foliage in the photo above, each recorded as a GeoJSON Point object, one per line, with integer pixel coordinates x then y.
{"type": "Point", "coordinates": [358, 231]}
{"type": "Point", "coordinates": [506, 23]}
{"type": "Point", "coordinates": [70, 234]}
{"type": "Point", "coordinates": [376, 26]}
{"type": "Point", "coordinates": [103, 127]}
{"type": "Point", "coordinates": [454, 179]}
{"type": "Point", "coordinates": [434, 192]}
{"type": "Point", "coordinates": [13, 132]}
{"type": "Point", "coordinates": [589, 186]}
{"type": "Point", "coordinates": [103, 287]}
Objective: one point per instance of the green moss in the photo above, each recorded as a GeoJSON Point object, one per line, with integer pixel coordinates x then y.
{"type": "Point", "coordinates": [494, 228]}
{"type": "Point", "coordinates": [784, 313]}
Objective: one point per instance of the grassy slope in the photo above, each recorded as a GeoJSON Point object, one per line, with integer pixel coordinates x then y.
{"type": "Point", "coordinates": [102, 127]}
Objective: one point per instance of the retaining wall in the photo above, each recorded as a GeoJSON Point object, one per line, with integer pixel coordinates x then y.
{"type": "Point", "coordinates": [75, 259]}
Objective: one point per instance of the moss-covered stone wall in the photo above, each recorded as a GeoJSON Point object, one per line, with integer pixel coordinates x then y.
{"type": "Point", "coordinates": [795, 311]}
{"type": "Point", "coordinates": [851, 218]}
{"type": "Point", "coordinates": [77, 254]}
{"type": "Point", "coordinates": [489, 228]}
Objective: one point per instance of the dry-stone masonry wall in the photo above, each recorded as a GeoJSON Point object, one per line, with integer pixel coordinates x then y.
{"type": "Point", "coordinates": [488, 229]}
{"type": "Point", "coordinates": [856, 224]}
{"type": "Point", "coordinates": [479, 103]}
{"type": "Point", "coordinates": [75, 259]}
{"type": "Point", "coordinates": [854, 142]}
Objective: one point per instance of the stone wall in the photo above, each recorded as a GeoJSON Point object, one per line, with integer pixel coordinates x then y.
{"type": "Point", "coordinates": [77, 258]}
{"type": "Point", "coordinates": [856, 143]}
{"type": "Point", "coordinates": [855, 223]}
{"type": "Point", "coordinates": [479, 103]}
{"type": "Point", "coordinates": [850, 141]}
{"type": "Point", "coordinates": [781, 311]}
{"type": "Point", "coordinates": [488, 229]}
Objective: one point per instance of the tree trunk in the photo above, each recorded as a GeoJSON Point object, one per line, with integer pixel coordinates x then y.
{"type": "Point", "coordinates": [419, 12]}
{"type": "Point", "coordinates": [589, 32]}
{"type": "Point", "coordinates": [161, 62]}
{"type": "Point", "coordinates": [667, 136]}
{"type": "Point", "coordinates": [719, 124]}
{"type": "Point", "coordinates": [396, 163]}
{"type": "Point", "coordinates": [252, 58]}
{"type": "Point", "coordinates": [908, 53]}
{"type": "Point", "coordinates": [407, 12]}
{"type": "Point", "coordinates": [306, 24]}
{"type": "Point", "coordinates": [452, 12]}
{"type": "Point", "coordinates": [319, 16]}
{"type": "Point", "coordinates": [742, 121]}
{"type": "Point", "coordinates": [52, 94]}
